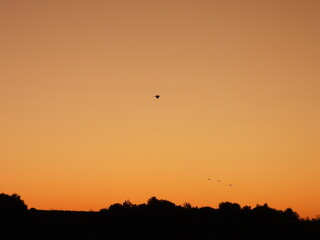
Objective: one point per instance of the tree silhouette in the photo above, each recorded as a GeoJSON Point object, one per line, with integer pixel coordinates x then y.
{"type": "Point", "coordinates": [155, 219]}
{"type": "Point", "coordinates": [290, 215]}
{"type": "Point", "coordinates": [155, 203]}
{"type": "Point", "coordinates": [229, 207]}
{"type": "Point", "coordinates": [12, 205]}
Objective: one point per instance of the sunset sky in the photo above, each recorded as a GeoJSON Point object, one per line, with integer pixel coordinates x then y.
{"type": "Point", "coordinates": [239, 82]}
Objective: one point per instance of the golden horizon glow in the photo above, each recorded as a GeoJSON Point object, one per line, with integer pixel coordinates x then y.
{"type": "Point", "coordinates": [240, 93]}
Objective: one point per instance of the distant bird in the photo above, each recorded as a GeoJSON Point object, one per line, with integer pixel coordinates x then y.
{"type": "Point", "coordinates": [218, 180]}
{"type": "Point", "coordinates": [157, 96]}
{"type": "Point", "coordinates": [230, 185]}
{"type": "Point", "coordinates": [209, 179]}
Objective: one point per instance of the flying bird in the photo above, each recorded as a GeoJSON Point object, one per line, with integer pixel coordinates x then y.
{"type": "Point", "coordinates": [157, 96]}
{"type": "Point", "coordinates": [218, 180]}
{"type": "Point", "coordinates": [209, 179]}
{"type": "Point", "coordinates": [230, 185]}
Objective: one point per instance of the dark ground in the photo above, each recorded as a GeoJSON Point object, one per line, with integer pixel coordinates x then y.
{"type": "Point", "coordinates": [157, 219]}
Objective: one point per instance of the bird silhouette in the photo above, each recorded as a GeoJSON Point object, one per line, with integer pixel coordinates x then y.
{"type": "Point", "coordinates": [209, 179]}
{"type": "Point", "coordinates": [157, 96]}
{"type": "Point", "coordinates": [230, 185]}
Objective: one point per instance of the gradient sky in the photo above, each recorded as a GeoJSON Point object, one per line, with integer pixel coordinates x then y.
{"type": "Point", "coordinates": [240, 102]}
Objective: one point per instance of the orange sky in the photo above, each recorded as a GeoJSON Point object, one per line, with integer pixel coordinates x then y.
{"type": "Point", "coordinates": [239, 84]}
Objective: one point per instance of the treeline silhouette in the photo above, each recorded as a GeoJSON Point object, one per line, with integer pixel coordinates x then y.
{"type": "Point", "coordinates": [156, 219]}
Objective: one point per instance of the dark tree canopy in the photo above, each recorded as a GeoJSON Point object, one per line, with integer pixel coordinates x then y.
{"type": "Point", "coordinates": [156, 203]}
{"type": "Point", "coordinates": [155, 219]}
{"type": "Point", "coordinates": [229, 207]}
{"type": "Point", "coordinates": [12, 204]}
